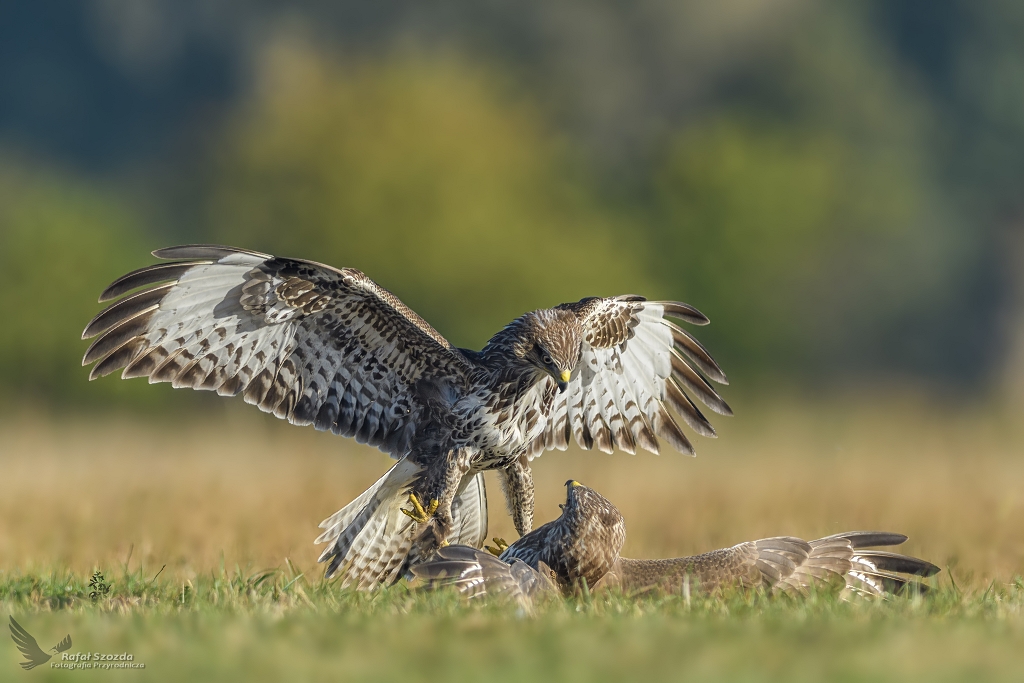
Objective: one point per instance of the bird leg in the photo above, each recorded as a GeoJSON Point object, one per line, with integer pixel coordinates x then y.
{"type": "Point", "coordinates": [419, 513]}
{"type": "Point", "coordinates": [500, 546]}
{"type": "Point", "coordinates": [517, 483]}
{"type": "Point", "coordinates": [439, 485]}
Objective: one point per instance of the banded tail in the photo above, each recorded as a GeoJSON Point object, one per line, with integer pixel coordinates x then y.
{"type": "Point", "coordinates": [372, 543]}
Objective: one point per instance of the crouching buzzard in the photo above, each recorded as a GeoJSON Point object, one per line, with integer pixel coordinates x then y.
{"type": "Point", "coordinates": [330, 348]}
{"type": "Point", "coordinates": [583, 544]}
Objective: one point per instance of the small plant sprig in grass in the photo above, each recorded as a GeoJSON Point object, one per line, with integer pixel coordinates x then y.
{"type": "Point", "coordinates": [99, 586]}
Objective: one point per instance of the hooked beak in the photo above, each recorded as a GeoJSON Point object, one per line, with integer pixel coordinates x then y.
{"type": "Point", "coordinates": [563, 381]}
{"type": "Point", "coordinates": [571, 484]}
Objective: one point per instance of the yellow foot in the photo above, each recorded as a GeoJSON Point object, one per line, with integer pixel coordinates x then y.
{"type": "Point", "coordinates": [419, 513]}
{"type": "Point", "coordinates": [498, 548]}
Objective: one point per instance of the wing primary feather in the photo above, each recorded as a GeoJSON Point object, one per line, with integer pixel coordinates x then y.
{"type": "Point", "coordinates": [125, 308]}
{"type": "Point", "coordinates": [119, 334]}
{"type": "Point", "coordinates": [204, 251]}
{"type": "Point", "coordinates": [118, 358]}
{"type": "Point", "coordinates": [689, 378]}
{"type": "Point", "coordinates": [686, 408]}
{"type": "Point", "coordinates": [867, 539]}
{"type": "Point", "coordinates": [161, 272]}
{"type": "Point", "coordinates": [904, 564]}
{"type": "Point", "coordinates": [666, 428]}
{"type": "Point", "coordinates": [696, 352]}
{"type": "Point", "coordinates": [678, 309]}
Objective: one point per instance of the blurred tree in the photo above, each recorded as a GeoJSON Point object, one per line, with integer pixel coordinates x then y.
{"type": "Point", "coordinates": [809, 222]}
{"type": "Point", "coordinates": [427, 175]}
{"type": "Point", "coordinates": [61, 243]}
{"type": "Point", "coordinates": [827, 181]}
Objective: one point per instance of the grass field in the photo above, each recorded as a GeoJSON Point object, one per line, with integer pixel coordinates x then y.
{"type": "Point", "coordinates": [184, 517]}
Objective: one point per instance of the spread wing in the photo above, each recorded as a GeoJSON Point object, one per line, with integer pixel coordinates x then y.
{"type": "Point", "coordinates": [785, 564]}
{"type": "Point", "coordinates": [869, 572]}
{"type": "Point", "coordinates": [304, 341]}
{"type": "Point", "coordinates": [543, 545]}
{"type": "Point", "coordinates": [28, 646]}
{"type": "Point", "coordinates": [476, 573]}
{"type": "Point", "coordinates": [636, 363]}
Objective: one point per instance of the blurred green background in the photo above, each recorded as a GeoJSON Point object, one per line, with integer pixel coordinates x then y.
{"type": "Point", "coordinates": [836, 185]}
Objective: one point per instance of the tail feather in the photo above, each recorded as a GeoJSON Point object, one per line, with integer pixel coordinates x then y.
{"type": "Point", "coordinates": [372, 541]}
{"type": "Point", "coordinates": [469, 514]}
{"type": "Point", "coordinates": [365, 528]}
{"type": "Point", "coordinates": [469, 524]}
{"type": "Point", "coordinates": [341, 519]}
{"type": "Point", "coordinates": [382, 551]}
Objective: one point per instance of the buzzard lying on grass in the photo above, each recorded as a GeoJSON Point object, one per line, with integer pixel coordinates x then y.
{"type": "Point", "coordinates": [583, 544]}
{"type": "Point", "coordinates": [330, 348]}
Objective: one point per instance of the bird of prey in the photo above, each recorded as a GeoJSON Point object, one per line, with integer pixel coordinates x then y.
{"type": "Point", "coordinates": [330, 348]}
{"type": "Point", "coordinates": [34, 655]}
{"type": "Point", "coordinates": [583, 544]}
{"type": "Point", "coordinates": [578, 549]}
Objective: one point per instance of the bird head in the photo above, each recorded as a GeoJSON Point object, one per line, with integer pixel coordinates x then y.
{"type": "Point", "coordinates": [554, 344]}
{"type": "Point", "coordinates": [584, 504]}
{"type": "Point", "coordinates": [578, 496]}
{"type": "Point", "coordinates": [590, 522]}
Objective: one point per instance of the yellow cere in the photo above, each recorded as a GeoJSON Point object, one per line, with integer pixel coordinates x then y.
{"type": "Point", "coordinates": [566, 375]}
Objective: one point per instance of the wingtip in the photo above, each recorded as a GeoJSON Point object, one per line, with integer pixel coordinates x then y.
{"type": "Point", "coordinates": [203, 251]}
{"type": "Point", "coordinates": [684, 311]}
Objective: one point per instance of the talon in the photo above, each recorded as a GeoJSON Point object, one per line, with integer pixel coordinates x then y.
{"type": "Point", "coordinates": [419, 513]}
{"type": "Point", "coordinates": [500, 546]}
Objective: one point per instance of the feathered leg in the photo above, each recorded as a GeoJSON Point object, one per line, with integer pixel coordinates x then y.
{"type": "Point", "coordinates": [431, 499]}
{"type": "Point", "coordinates": [517, 483]}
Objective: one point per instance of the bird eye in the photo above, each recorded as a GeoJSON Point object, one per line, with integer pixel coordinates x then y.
{"type": "Point", "coordinates": [547, 360]}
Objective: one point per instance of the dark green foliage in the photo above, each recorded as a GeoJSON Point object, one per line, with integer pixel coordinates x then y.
{"type": "Point", "coordinates": [833, 184]}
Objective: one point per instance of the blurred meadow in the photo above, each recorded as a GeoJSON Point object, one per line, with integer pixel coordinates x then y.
{"type": "Point", "coordinates": [836, 185]}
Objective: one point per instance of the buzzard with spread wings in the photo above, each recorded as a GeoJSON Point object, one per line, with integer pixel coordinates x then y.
{"type": "Point", "coordinates": [330, 348]}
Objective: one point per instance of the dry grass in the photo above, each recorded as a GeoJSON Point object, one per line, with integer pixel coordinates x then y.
{"type": "Point", "coordinates": [239, 488]}
{"type": "Point", "coordinates": [242, 489]}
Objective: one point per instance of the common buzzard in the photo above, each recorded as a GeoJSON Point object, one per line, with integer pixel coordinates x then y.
{"type": "Point", "coordinates": [330, 348]}
{"type": "Point", "coordinates": [583, 545]}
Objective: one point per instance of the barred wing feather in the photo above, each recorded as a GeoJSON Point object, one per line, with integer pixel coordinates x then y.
{"type": "Point", "coordinates": [304, 341]}
{"type": "Point", "coordinates": [636, 363]}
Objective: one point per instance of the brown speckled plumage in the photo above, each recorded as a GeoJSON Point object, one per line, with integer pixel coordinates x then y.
{"type": "Point", "coordinates": [330, 348]}
{"type": "Point", "coordinates": [581, 546]}
{"type": "Point", "coordinates": [783, 564]}
{"type": "Point", "coordinates": [584, 543]}
{"type": "Point", "coordinates": [574, 551]}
